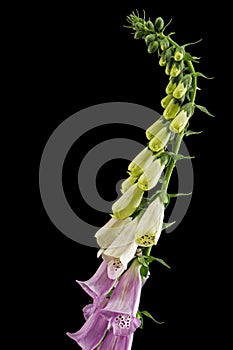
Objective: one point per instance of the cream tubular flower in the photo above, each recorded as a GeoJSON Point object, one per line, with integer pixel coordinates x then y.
{"type": "Point", "coordinates": [127, 183]}
{"type": "Point", "coordinates": [160, 140]}
{"type": "Point", "coordinates": [138, 164]}
{"type": "Point", "coordinates": [150, 225]}
{"type": "Point", "coordinates": [172, 109]}
{"type": "Point", "coordinates": [151, 175]}
{"type": "Point", "coordinates": [124, 246]}
{"type": "Point", "coordinates": [154, 128]}
{"type": "Point", "coordinates": [128, 202]}
{"type": "Point", "coordinates": [179, 122]}
{"type": "Point", "coordinates": [106, 234]}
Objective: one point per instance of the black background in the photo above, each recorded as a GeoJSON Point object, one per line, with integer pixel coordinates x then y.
{"type": "Point", "coordinates": [80, 55]}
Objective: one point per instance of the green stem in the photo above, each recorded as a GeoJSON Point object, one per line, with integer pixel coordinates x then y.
{"type": "Point", "coordinates": [194, 81]}
{"type": "Point", "coordinates": [172, 163]}
{"type": "Point", "coordinates": [147, 250]}
{"type": "Point", "coordinates": [171, 40]}
{"type": "Point", "coordinates": [180, 136]}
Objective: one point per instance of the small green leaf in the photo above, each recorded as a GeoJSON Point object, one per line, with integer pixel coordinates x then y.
{"type": "Point", "coordinates": [173, 195]}
{"type": "Point", "coordinates": [144, 271]}
{"type": "Point", "coordinates": [147, 314]}
{"type": "Point", "coordinates": [155, 195]}
{"type": "Point", "coordinates": [204, 110]}
{"type": "Point", "coordinates": [148, 258]}
{"type": "Point", "coordinates": [139, 316]}
{"type": "Point", "coordinates": [190, 132]}
{"type": "Point", "coordinates": [179, 156]}
{"type": "Point", "coordinates": [167, 26]}
{"type": "Point", "coordinates": [189, 57]}
{"type": "Point", "coordinates": [199, 74]}
{"type": "Point", "coordinates": [192, 43]}
{"type": "Point", "coordinates": [167, 224]}
{"type": "Point", "coordinates": [142, 261]}
{"type": "Point", "coordinates": [161, 261]}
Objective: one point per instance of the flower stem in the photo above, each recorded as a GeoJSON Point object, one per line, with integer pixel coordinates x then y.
{"type": "Point", "coordinates": [147, 250]}
{"type": "Point", "coordinates": [194, 81]}
{"type": "Point", "coordinates": [172, 162]}
{"type": "Point", "coordinates": [180, 136]}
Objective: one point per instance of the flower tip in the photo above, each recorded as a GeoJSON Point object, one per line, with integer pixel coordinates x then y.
{"type": "Point", "coordinates": [99, 253]}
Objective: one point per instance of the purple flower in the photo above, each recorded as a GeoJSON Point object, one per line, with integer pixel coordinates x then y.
{"type": "Point", "coordinates": [114, 342]}
{"type": "Point", "coordinates": [92, 332]}
{"type": "Point", "coordinates": [126, 296]}
{"type": "Point", "coordinates": [110, 323]}
{"type": "Point", "coordinates": [121, 310]}
{"type": "Point", "coordinates": [99, 284]}
{"type": "Point", "coordinates": [94, 329]}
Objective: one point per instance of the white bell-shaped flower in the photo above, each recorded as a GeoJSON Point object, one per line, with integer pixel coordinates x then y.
{"type": "Point", "coordinates": [150, 224]}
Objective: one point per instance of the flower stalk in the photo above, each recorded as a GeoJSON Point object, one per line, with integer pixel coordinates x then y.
{"type": "Point", "coordinates": [136, 223]}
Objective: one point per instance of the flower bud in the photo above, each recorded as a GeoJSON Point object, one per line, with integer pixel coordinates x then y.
{"type": "Point", "coordinates": [150, 25]}
{"type": "Point", "coordinates": [179, 53]}
{"type": "Point", "coordinates": [171, 86]}
{"type": "Point", "coordinates": [150, 225]}
{"type": "Point", "coordinates": [172, 109]}
{"type": "Point", "coordinates": [154, 128]}
{"type": "Point", "coordinates": [127, 203]}
{"type": "Point", "coordinates": [151, 175]}
{"type": "Point", "coordinates": [139, 26]}
{"type": "Point", "coordinates": [180, 121]}
{"type": "Point", "coordinates": [140, 162]}
{"type": "Point", "coordinates": [159, 24]}
{"type": "Point", "coordinates": [153, 46]}
{"type": "Point", "coordinates": [160, 140]}
{"type": "Point", "coordinates": [149, 38]}
{"type": "Point", "coordinates": [182, 87]}
{"type": "Point", "coordinates": [138, 35]}
{"type": "Point", "coordinates": [169, 53]}
{"type": "Point", "coordinates": [177, 67]}
{"type": "Point", "coordinates": [127, 183]}
{"type": "Point", "coordinates": [162, 60]}
{"type": "Point", "coordinates": [166, 57]}
{"type": "Point", "coordinates": [166, 100]}
{"type": "Point", "coordinates": [168, 67]}
{"type": "Point", "coordinates": [164, 44]}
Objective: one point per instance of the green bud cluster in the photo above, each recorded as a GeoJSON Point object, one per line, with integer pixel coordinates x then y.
{"type": "Point", "coordinates": [176, 63]}
{"type": "Point", "coordinates": [145, 170]}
